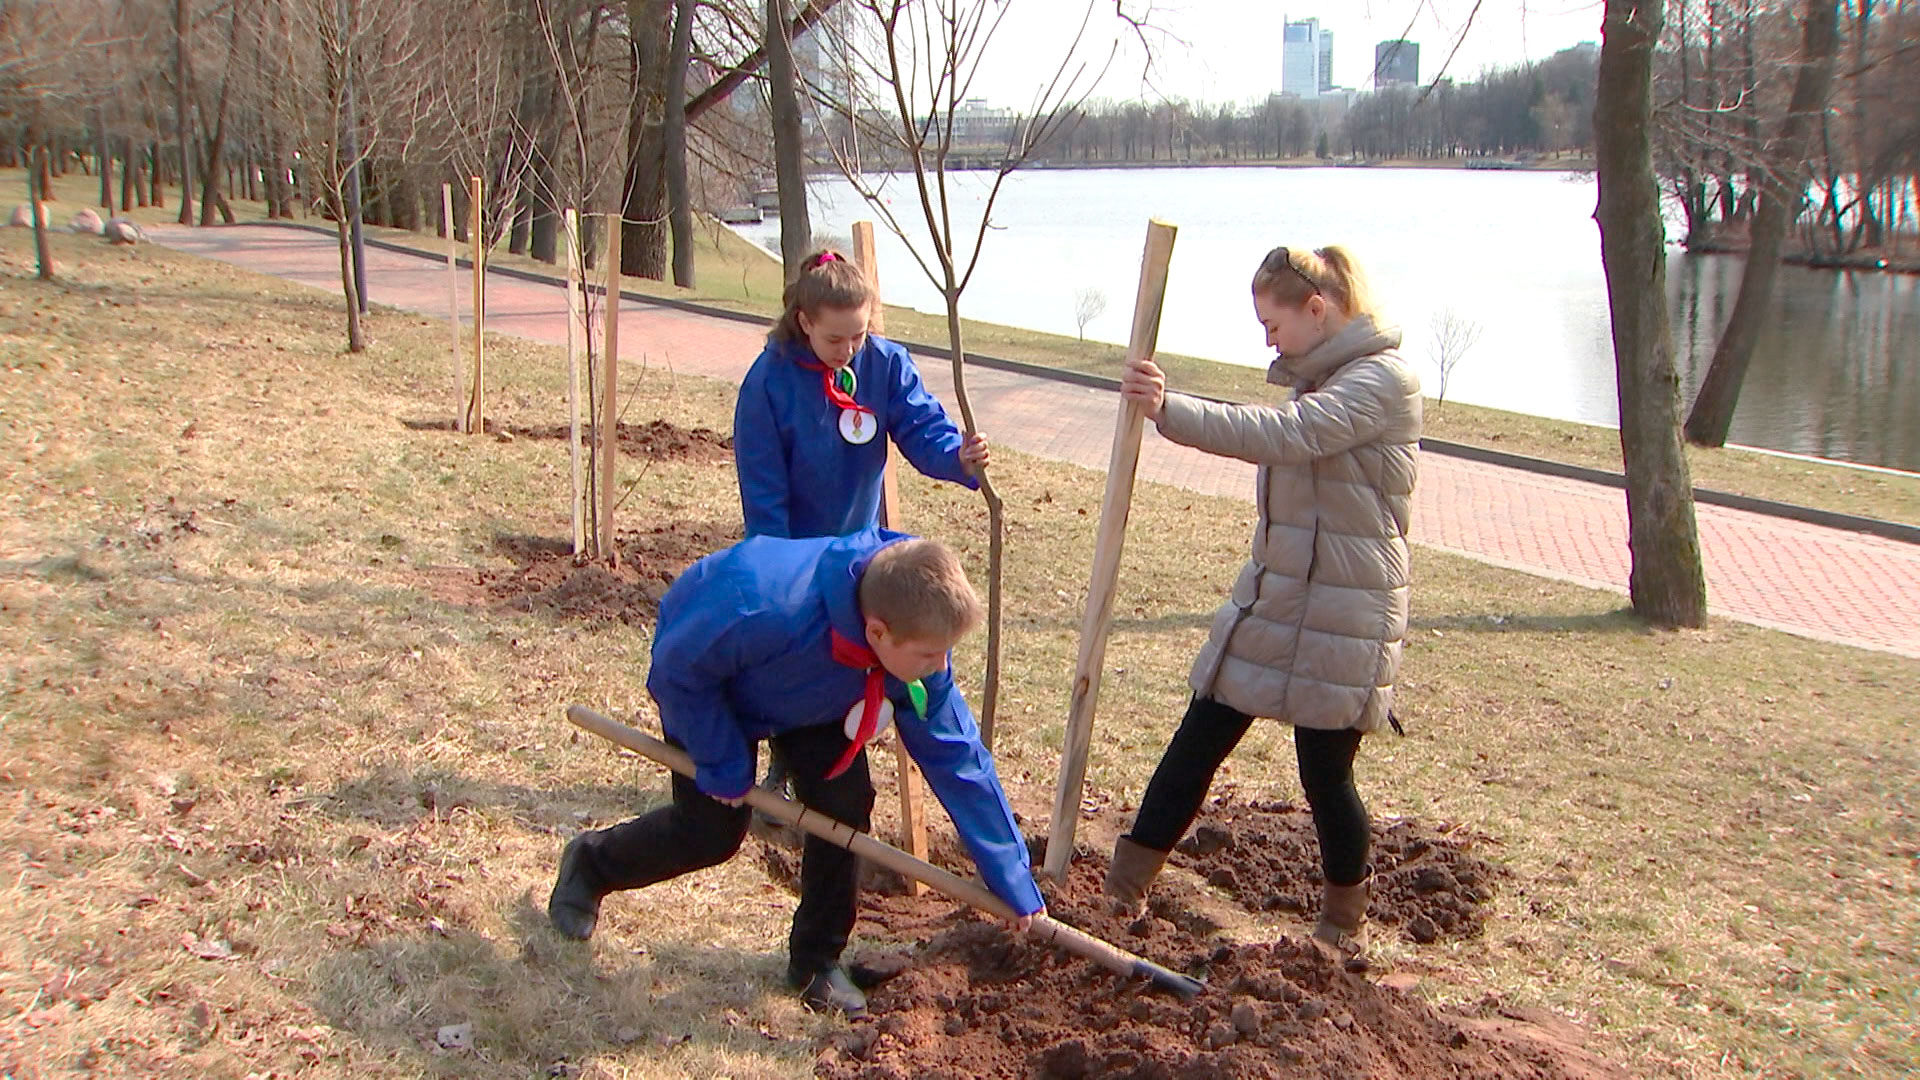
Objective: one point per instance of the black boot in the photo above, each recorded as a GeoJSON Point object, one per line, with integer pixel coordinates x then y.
{"type": "Point", "coordinates": [574, 907]}
{"type": "Point", "coordinates": [830, 990]}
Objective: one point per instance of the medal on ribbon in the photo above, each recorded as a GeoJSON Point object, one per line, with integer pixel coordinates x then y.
{"type": "Point", "coordinates": [858, 424]}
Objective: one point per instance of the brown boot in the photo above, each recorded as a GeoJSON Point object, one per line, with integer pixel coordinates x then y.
{"type": "Point", "coordinates": [1131, 874]}
{"type": "Point", "coordinates": [1343, 916]}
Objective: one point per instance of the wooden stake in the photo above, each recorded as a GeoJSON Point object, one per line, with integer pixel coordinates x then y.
{"type": "Point", "coordinates": [1098, 619]}
{"type": "Point", "coordinates": [1046, 929]}
{"type": "Point", "coordinates": [607, 427]}
{"type": "Point", "coordinates": [913, 814]}
{"type": "Point", "coordinates": [477, 390]}
{"type": "Point", "coordinates": [453, 309]}
{"type": "Point", "coordinates": [571, 223]}
{"type": "Point", "coordinates": [863, 254]}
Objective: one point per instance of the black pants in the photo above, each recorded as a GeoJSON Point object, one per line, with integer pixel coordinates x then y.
{"type": "Point", "coordinates": [694, 832]}
{"type": "Point", "coordinates": [1207, 734]}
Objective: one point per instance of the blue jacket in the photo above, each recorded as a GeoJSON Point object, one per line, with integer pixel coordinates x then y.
{"type": "Point", "coordinates": [742, 652]}
{"type": "Point", "coordinates": [798, 477]}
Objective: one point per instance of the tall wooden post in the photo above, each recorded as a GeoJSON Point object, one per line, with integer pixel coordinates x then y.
{"type": "Point", "coordinates": [607, 427]}
{"type": "Point", "coordinates": [913, 813]}
{"type": "Point", "coordinates": [1098, 619]}
{"type": "Point", "coordinates": [477, 387]}
{"type": "Point", "coordinates": [453, 309]}
{"type": "Point", "coordinates": [571, 237]}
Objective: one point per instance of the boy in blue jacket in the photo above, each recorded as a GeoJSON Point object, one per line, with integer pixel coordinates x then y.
{"type": "Point", "coordinates": [816, 645]}
{"type": "Point", "coordinates": [815, 412]}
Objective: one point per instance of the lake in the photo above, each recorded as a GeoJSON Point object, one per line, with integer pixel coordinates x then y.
{"type": "Point", "coordinates": [1837, 372]}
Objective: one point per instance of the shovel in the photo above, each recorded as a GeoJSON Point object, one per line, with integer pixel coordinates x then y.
{"type": "Point", "coordinates": [1046, 929]}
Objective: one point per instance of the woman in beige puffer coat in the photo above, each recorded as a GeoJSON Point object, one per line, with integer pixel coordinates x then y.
{"type": "Point", "coordinates": [1313, 629]}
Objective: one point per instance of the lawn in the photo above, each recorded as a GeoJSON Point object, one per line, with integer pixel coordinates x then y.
{"type": "Point", "coordinates": [284, 788]}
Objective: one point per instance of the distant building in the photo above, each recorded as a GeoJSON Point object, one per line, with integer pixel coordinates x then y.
{"type": "Point", "coordinates": [1396, 63]}
{"type": "Point", "coordinates": [1306, 59]}
{"type": "Point", "coordinates": [976, 126]}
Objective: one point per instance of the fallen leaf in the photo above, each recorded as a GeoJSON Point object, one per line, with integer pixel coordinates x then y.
{"type": "Point", "coordinates": [208, 948]}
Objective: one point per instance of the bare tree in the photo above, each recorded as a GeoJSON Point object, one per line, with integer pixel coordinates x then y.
{"type": "Point", "coordinates": [1454, 335]}
{"type": "Point", "coordinates": [789, 152]}
{"type": "Point", "coordinates": [679, 193]}
{"type": "Point", "coordinates": [372, 45]}
{"type": "Point", "coordinates": [44, 87]}
{"type": "Point", "coordinates": [1667, 584]}
{"type": "Point", "coordinates": [926, 56]}
{"type": "Point", "coordinates": [1783, 188]}
{"type": "Point", "coordinates": [1088, 304]}
{"type": "Point", "coordinates": [182, 115]}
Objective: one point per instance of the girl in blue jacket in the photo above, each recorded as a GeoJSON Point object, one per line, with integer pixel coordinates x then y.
{"type": "Point", "coordinates": [815, 645]}
{"type": "Point", "coordinates": [816, 411]}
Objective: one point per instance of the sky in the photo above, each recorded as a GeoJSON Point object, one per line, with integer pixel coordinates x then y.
{"type": "Point", "coordinates": [1229, 50]}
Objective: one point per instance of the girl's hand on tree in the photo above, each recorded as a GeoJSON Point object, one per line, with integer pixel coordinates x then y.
{"type": "Point", "coordinates": [974, 453]}
{"type": "Point", "coordinates": [1144, 384]}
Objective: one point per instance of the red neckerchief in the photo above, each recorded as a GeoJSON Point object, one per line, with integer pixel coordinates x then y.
{"type": "Point", "coordinates": [855, 655]}
{"type": "Point", "coordinates": [834, 394]}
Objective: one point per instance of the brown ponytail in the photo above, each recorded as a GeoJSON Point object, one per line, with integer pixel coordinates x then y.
{"type": "Point", "coordinates": [827, 279]}
{"type": "Point", "coordinates": [1291, 276]}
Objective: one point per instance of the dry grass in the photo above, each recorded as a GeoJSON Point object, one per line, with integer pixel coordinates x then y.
{"type": "Point", "coordinates": [244, 715]}
{"type": "Point", "coordinates": [735, 275]}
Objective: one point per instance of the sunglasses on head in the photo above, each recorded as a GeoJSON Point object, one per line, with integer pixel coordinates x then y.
{"type": "Point", "coordinates": [1287, 258]}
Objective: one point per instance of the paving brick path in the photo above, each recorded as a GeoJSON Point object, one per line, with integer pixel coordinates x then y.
{"type": "Point", "coordinates": [1805, 579]}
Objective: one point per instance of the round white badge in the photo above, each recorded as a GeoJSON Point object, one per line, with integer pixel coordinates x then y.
{"type": "Point", "coordinates": [858, 427]}
{"type": "Point", "coordinates": [880, 728]}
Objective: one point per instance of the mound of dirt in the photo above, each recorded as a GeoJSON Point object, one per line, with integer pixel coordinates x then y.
{"type": "Point", "coordinates": [657, 440]}
{"type": "Point", "coordinates": [975, 1001]}
{"type": "Point", "coordinates": [548, 581]}
{"type": "Point", "coordinates": [1428, 885]}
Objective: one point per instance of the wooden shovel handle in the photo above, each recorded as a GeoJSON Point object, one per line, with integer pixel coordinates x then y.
{"type": "Point", "coordinates": [1050, 930]}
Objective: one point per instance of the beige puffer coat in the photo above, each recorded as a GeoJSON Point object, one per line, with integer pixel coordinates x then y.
{"type": "Point", "coordinates": [1313, 631]}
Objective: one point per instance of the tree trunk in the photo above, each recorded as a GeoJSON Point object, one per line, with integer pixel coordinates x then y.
{"type": "Point", "coordinates": [356, 332]}
{"type": "Point", "coordinates": [643, 233]}
{"type": "Point", "coordinates": [522, 227]}
{"type": "Point", "coordinates": [996, 519]}
{"type": "Point", "coordinates": [210, 193]}
{"type": "Point", "coordinates": [546, 218]}
{"type": "Point", "coordinates": [1667, 584]}
{"type": "Point", "coordinates": [129, 174]}
{"type": "Point", "coordinates": [36, 209]}
{"type": "Point", "coordinates": [679, 198]}
{"type": "Point", "coordinates": [789, 153]}
{"type": "Point", "coordinates": [182, 117]}
{"type": "Point", "coordinates": [106, 161]}
{"type": "Point", "coordinates": [155, 189]}
{"type": "Point", "coordinates": [40, 159]}
{"type": "Point", "coordinates": [1783, 187]}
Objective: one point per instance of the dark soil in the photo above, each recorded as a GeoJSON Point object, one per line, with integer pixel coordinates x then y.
{"type": "Point", "coordinates": [1426, 886]}
{"type": "Point", "coordinates": [547, 580]}
{"type": "Point", "coordinates": [657, 440]}
{"type": "Point", "coordinates": [965, 998]}
{"type": "Point", "coordinates": [976, 1001]}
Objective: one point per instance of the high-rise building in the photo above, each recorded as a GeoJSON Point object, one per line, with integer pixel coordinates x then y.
{"type": "Point", "coordinates": [1396, 63]}
{"type": "Point", "coordinates": [1302, 57]}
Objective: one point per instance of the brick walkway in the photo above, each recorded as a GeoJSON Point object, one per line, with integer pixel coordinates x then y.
{"type": "Point", "coordinates": [1804, 579]}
